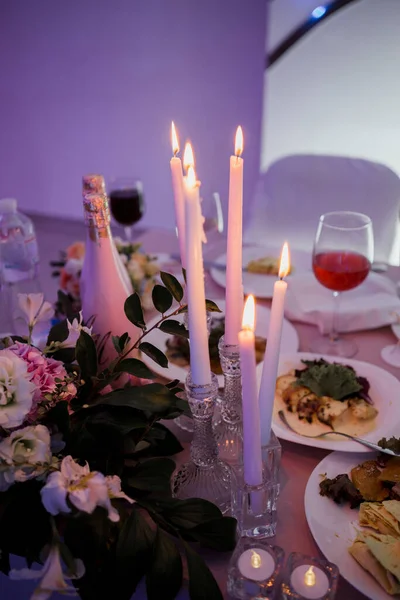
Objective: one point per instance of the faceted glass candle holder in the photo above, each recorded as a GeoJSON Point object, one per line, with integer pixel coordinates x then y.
{"type": "Point", "coordinates": [254, 506]}
{"type": "Point", "coordinates": [205, 475]}
{"type": "Point", "coordinates": [186, 422]}
{"type": "Point", "coordinates": [228, 424]}
{"type": "Point", "coordinates": [309, 578]}
{"type": "Point", "coordinates": [254, 570]}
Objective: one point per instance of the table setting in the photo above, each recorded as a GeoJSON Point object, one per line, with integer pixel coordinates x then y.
{"type": "Point", "coordinates": [208, 418]}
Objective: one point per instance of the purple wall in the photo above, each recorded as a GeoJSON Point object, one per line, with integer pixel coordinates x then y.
{"type": "Point", "coordinates": [93, 85]}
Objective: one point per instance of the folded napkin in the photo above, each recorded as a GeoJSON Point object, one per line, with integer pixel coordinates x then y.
{"type": "Point", "coordinates": [368, 306]}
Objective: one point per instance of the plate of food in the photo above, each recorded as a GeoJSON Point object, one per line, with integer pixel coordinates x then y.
{"type": "Point", "coordinates": [177, 348]}
{"type": "Point", "coordinates": [318, 394]}
{"type": "Point", "coordinates": [352, 507]}
{"type": "Point", "coordinates": [261, 267]}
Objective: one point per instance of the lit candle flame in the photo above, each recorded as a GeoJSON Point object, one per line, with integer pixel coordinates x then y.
{"type": "Point", "coordinates": [239, 141]}
{"type": "Point", "coordinates": [284, 266]}
{"type": "Point", "coordinates": [191, 178]}
{"type": "Point", "coordinates": [309, 577]}
{"type": "Point", "coordinates": [188, 157]}
{"type": "Point", "coordinates": [249, 314]}
{"type": "Point", "coordinates": [174, 140]}
{"type": "Point", "coordinates": [255, 560]}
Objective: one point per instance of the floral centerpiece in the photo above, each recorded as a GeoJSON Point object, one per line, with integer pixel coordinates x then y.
{"type": "Point", "coordinates": [85, 471]}
{"type": "Point", "coordinates": [142, 269]}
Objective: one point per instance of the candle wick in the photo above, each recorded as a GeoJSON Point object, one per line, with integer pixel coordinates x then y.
{"type": "Point", "coordinates": [176, 152]}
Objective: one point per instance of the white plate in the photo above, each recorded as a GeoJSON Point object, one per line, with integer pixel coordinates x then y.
{"type": "Point", "coordinates": [290, 341]}
{"type": "Point", "coordinates": [384, 391]}
{"type": "Point", "coordinates": [333, 526]}
{"type": "Point", "coordinates": [262, 286]}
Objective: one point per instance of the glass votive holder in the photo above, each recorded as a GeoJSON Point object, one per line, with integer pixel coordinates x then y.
{"type": "Point", "coordinates": [309, 578]}
{"type": "Point", "coordinates": [254, 506]}
{"type": "Point", "coordinates": [254, 570]}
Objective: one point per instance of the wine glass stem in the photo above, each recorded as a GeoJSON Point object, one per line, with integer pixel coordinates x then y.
{"type": "Point", "coordinates": [128, 233]}
{"type": "Point", "coordinates": [334, 335]}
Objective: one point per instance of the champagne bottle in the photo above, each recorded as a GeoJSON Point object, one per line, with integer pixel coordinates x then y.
{"type": "Point", "coordinates": [95, 184]}
{"type": "Point", "coordinates": [103, 293]}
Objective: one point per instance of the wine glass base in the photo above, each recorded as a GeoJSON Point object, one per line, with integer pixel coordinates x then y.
{"type": "Point", "coordinates": [212, 483]}
{"type": "Point", "coordinates": [339, 347]}
{"type": "Point", "coordinates": [391, 355]}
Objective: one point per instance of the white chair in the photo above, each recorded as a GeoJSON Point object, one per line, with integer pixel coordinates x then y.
{"type": "Point", "coordinates": [296, 190]}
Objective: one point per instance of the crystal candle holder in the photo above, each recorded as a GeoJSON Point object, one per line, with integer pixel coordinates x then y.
{"type": "Point", "coordinates": [228, 425]}
{"type": "Point", "coordinates": [254, 506]}
{"type": "Point", "coordinates": [254, 570]}
{"type": "Point", "coordinates": [205, 475]}
{"type": "Point", "coordinates": [185, 422]}
{"type": "Point", "coordinates": [309, 578]}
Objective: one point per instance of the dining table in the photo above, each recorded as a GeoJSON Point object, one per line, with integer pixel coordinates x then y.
{"type": "Point", "coordinates": [298, 461]}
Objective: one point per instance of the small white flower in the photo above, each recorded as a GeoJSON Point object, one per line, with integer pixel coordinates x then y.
{"type": "Point", "coordinates": [16, 391]}
{"type": "Point", "coordinates": [114, 488]}
{"type": "Point", "coordinates": [27, 452]}
{"type": "Point", "coordinates": [83, 488]}
{"type": "Point", "coordinates": [135, 270]}
{"type": "Point", "coordinates": [73, 266]}
{"type": "Point", "coordinates": [74, 331]}
{"type": "Point", "coordinates": [152, 268]}
{"type": "Point", "coordinates": [35, 308]}
{"type": "Point", "coordinates": [52, 578]}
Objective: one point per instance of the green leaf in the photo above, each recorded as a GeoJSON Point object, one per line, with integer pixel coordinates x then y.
{"type": "Point", "coordinates": [329, 379]}
{"type": "Point", "coordinates": [218, 534]}
{"type": "Point", "coordinates": [189, 513]}
{"type": "Point", "coordinates": [165, 572]}
{"type": "Point", "coordinates": [153, 475]}
{"type": "Point", "coordinates": [123, 341]}
{"type": "Point", "coordinates": [212, 307]}
{"type": "Point", "coordinates": [173, 327]}
{"type": "Point", "coordinates": [202, 585]}
{"type": "Point", "coordinates": [86, 355]}
{"type": "Point", "coordinates": [133, 552]}
{"type": "Point", "coordinates": [172, 384]}
{"type": "Point", "coordinates": [115, 341]}
{"type": "Point", "coordinates": [155, 398]}
{"type": "Point", "coordinates": [184, 274]}
{"type": "Point", "coordinates": [133, 311]}
{"type": "Point", "coordinates": [162, 298]}
{"type": "Point", "coordinates": [66, 306]}
{"type": "Point", "coordinates": [154, 353]}
{"type": "Point", "coordinates": [59, 416]}
{"type": "Point", "coordinates": [58, 333]}
{"type": "Point", "coordinates": [167, 445]}
{"type": "Point", "coordinates": [119, 419]}
{"type": "Point", "coordinates": [135, 367]}
{"type": "Point", "coordinates": [172, 284]}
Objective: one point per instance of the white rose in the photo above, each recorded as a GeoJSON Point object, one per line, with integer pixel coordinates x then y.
{"type": "Point", "coordinates": [16, 391]}
{"type": "Point", "coordinates": [30, 445]}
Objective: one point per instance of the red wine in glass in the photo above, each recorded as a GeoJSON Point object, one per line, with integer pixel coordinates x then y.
{"type": "Point", "coordinates": [340, 271]}
{"type": "Point", "coordinates": [127, 203]}
{"type": "Point", "coordinates": [342, 258]}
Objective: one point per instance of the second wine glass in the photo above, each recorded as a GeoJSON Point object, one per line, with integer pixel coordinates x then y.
{"type": "Point", "coordinates": [126, 202]}
{"type": "Point", "coordinates": [342, 257]}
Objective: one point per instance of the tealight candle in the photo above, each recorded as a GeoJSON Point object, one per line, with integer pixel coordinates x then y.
{"type": "Point", "coordinates": [309, 581]}
{"type": "Point", "coordinates": [256, 564]}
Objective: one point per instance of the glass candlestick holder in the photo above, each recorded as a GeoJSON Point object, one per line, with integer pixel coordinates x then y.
{"type": "Point", "coordinates": [228, 425]}
{"type": "Point", "coordinates": [309, 578]}
{"type": "Point", "coordinates": [205, 475]}
{"type": "Point", "coordinates": [185, 422]}
{"type": "Point", "coordinates": [255, 506]}
{"type": "Point", "coordinates": [254, 570]}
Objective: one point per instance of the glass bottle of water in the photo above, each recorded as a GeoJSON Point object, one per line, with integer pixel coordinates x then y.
{"type": "Point", "coordinates": [19, 261]}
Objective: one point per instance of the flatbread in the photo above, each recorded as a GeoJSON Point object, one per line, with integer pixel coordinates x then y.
{"type": "Point", "coordinates": [380, 517]}
{"type": "Point", "coordinates": [363, 555]}
{"type": "Point", "coordinates": [386, 550]}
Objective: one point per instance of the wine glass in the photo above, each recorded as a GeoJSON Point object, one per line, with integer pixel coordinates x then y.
{"type": "Point", "coordinates": [126, 202]}
{"type": "Point", "coordinates": [211, 209]}
{"type": "Point", "coordinates": [342, 257]}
